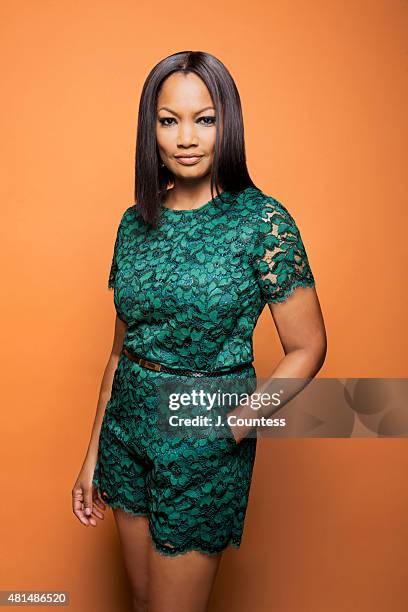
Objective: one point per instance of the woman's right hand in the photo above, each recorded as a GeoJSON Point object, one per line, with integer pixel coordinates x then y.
{"type": "Point", "coordinates": [86, 502]}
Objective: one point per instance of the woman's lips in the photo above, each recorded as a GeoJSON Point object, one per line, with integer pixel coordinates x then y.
{"type": "Point", "coordinates": [189, 161]}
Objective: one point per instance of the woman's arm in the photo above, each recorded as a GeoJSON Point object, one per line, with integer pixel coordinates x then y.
{"type": "Point", "coordinates": [300, 325]}
{"type": "Point", "coordinates": [105, 390]}
{"type": "Point", "coordinates": [82, 494]}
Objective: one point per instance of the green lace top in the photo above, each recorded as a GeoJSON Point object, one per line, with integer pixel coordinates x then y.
{"type": "Point", "coordinates": [191, 290]}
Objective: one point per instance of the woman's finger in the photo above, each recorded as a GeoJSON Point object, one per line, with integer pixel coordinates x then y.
{"type": "Point", "coordinates": [97, 499]}
{"type": "Point", "coordinates": [88, 501]}
{"type": "Point", "coordinates": [77, 505]}
{"type": "Point", "coordinates": [97, 512]}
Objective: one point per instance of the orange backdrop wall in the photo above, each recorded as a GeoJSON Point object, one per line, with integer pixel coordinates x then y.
{"type": "Point", "coordinates": [324, 93]}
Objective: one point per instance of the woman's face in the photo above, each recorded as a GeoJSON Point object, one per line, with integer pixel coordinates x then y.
{"type": "Point", "coordinates": [185, 126]}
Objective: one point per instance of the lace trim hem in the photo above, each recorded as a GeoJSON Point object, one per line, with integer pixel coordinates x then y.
{"type": "Point", "coordinates": [284, 296]}
{"type": "Point", "coordinates": [182, 550]}
{"type": "Point", "coordinates": [120, 503]}
{"type": "Point", "coordinates": [171, 551]}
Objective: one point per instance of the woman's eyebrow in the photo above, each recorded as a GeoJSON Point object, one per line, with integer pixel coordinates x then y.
{"type": "Point", "coordinates": [174, 112]}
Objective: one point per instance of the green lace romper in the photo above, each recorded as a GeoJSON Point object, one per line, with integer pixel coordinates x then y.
{"type": "Point", "coordinates": [191, 291]}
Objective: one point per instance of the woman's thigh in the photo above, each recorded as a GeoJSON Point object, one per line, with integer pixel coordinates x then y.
{"type": "Point", "coordinates": [182, 583]}
{"type": "Point", "coordinates": [160, 583]}
{"type": "Point", "coordinates": [136, 546]}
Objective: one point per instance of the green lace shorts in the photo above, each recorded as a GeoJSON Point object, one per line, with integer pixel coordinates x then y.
{"type": "Point", "coordinates": [194, 489]}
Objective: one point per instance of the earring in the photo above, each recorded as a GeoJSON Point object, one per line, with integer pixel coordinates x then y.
{"type": "Point", "coordinates": [162, 164]}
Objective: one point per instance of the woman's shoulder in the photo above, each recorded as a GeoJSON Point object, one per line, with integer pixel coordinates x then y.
{"type": "Point", "coordinates": [130, 218]}
{"type": "Point", "coordinates": [263, 205]}
{"type": "Point", "coordinates": [131, 214]}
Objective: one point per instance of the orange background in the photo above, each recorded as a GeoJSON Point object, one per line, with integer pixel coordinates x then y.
{"type": "Point", "coordinates": [324, 93]}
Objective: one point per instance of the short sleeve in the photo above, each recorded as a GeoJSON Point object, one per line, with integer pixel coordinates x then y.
{"type": "Point", "coordinates": [279, 255]}
{"type": "Point", "coordinates": [117, 250]}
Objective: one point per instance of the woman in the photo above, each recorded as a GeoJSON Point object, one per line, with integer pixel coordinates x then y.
{"type": "Point", "coordinates": [191, 273]}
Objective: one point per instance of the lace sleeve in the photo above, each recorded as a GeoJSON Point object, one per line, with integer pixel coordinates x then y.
{"type": "Point", "coordinates": [116, 254]}
{"type": "Point", "coordinates": [279, 257]}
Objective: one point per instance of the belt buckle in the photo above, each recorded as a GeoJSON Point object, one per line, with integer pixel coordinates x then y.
{"type": "Point", "coordinates": [150, 365]}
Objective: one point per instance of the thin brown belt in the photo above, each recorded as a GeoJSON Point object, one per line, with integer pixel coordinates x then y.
{"type": "Point", "coordinates": [160, 367]}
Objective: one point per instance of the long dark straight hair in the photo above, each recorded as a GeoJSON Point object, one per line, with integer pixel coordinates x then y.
{"type": "Point", "coordinates": [229, 169]}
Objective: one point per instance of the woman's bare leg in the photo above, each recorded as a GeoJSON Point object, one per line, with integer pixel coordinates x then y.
{"type": "Point", "coordinates": [160, 583]}
{"type": "Point", "coordinates": [135, 544]}
{"type": "Point", "coordinates": [182, 583]}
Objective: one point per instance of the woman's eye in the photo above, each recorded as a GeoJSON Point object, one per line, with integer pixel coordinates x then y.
{"type": "Point", "coordinates": [210, 122]}
{"type": "Point", "coordinates": [162, 121]}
